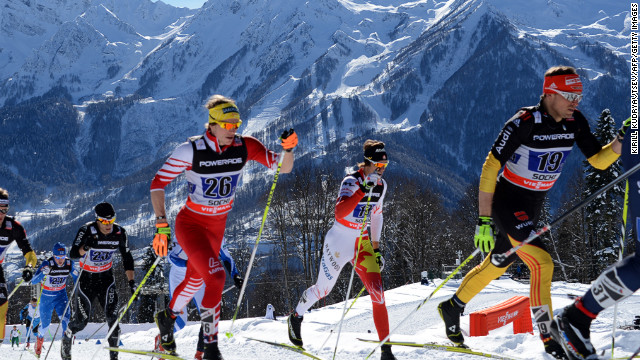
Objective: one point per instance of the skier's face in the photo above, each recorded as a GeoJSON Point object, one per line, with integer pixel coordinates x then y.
{"type": "Point", "coordinates": [4, 209]}
{"type": "Point", "coordinates": [559, 107]}
{"type": "Point", "coordinates": [105, 228]}
{"type": "Point", "coordinates": [377, 167]}
{"type": "Point", "coordinates": [224, 134]}
{"type": "Point", "coordinates": [59, 260]}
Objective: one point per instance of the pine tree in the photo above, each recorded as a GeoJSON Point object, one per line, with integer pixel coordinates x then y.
{"type": "Point", "coordinates": [603, 213]}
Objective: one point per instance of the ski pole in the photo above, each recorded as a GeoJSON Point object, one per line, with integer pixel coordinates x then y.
{"type": "Point", "coordinates": [228, 289]}
{"type": "Point", "coordinates": [229, 333]}
{"type": "Point", "coordinates": [353, 269]}
{"type": "Point", "coordinates": [498, 259]}
{"type": "Point", "coordinates": [133, 297]}
{"type": "Point", "coordinates": [623, 231]}
{"type": "Point", "coordinates": [73, 291]}
{"type": "Point", "coordinates": [15, 289]}
{"type": "Point", "coordinates": [336, 324]}
{"type": "Point", "coordinates": [453, 273]}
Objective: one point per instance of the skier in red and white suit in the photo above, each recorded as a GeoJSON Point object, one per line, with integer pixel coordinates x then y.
{"type": "Point", "coordinates": [342, 242]}
{"type": "Point", "coordinates": [213, 164]}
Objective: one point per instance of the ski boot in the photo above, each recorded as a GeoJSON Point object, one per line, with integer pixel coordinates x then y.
{"type": "Point", "coordinates": [27, 345]}
{"type": "Point", "coordinates": [294, 322]}
{"type": "Point", "coordinates": [570, 328]}
{"type": "Point", "coordinates": [38, 348]}
{"type": "Point", "coordinates": [552, 347]}
{"type": "Point", "coordinates": [450, 313]}
{"type": "Point", "coordinates": [211, 352]}
{"type": "Point", "coordinates": [385, 352]}
{"type": "Point", "coordinates": [65, 350]}
{"type": "Point", "coordinates": [198, 355]}
{"type": "Point", "coordinates": [157, 346]}
{"type": "Point", "coordinates": [165, 322]}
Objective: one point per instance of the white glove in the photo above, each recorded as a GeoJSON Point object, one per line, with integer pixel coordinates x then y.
{"type": "Point", "coordinates": [46, 270]}
{"type": "Point", "coordinates": [372, 179]}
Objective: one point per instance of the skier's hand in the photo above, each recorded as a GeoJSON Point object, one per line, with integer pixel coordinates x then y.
{"type": "Point", "coordinates": [90, 243]}
{"type": "Point", "coordinates": [46, 270]}
{"type": "Point", "coordinates": [485, 237]}
{"type": "Point", "coordinates": [27, 273]}
{"type": "Point", "coordinates": [379, 258]}
{"type": "Point", "coordinates": [624, 128]}
{"type": "Point", "coordinates": [238, 281]}
{"type": "Point", "coordinates": [161, 239]}
{"type": "Point", "coordinates": [368, 182]}
{"type": "Point", "coordinates": [289, 140]}
{"type": "Point", "coordinates": [132, 286]}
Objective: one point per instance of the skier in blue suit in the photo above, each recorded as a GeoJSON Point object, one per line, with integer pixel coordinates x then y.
{"type": "Point", "coordinates": [53, 273]}
{"type": "Point", "coordinates": [571, 327]}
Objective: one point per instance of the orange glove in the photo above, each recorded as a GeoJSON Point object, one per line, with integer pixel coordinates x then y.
{"type": "Point", "coordinates": [161, 239]}
{"type": "Point", "coordinates": [289, 139]}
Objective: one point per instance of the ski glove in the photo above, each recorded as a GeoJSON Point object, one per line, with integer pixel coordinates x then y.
{"type": "Point", "coordinates": [379, 258]}
{"type": "Point", "coordinates": [485, 238]}
{"type": "Point", "coordinates": [624, 128]}
{"type": "Point", "coordinates": [132, 286]}
{"type": "Point", "coordinates": [161, 239]}
{"type": "Point", "coordinates": [238, 281]}
{"type": "Point", "coordinates": [369, 181]}
{"type": "Point", "coordinates": [289, 140]}
{"type": "Point", "coordinates": [27, 273]}
{"type": "Point", "coordinates": [90, 243]}
{"type": "Point", "coordinates": [46, 270]}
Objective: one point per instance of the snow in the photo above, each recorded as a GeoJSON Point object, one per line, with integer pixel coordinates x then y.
{"type": "Point", "coordinates": [423, 326]}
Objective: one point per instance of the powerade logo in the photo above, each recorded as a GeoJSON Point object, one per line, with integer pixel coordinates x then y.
{"type": "Point", "coordinates": [554, 137]}
{"type": "Point", "coordinates": [220, 162]}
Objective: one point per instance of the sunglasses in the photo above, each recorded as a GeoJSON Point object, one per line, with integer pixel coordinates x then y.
{"type": "Point", "coordinates": [380, 165]}
{"type": "Point", "coordinates": [569, 96]}
{"type": "Point", "coordinates": [106, 221]}
{"type": "Point", "coordinates": [59, 257]}
{"type": "Point", "coordinates": [4, 210]}
{"type": "Point", "coordinates": [225, 125]}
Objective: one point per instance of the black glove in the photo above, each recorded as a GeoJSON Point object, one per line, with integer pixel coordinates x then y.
{"type": "Point", "coordinates": [624, 128]}
{"type": "Point", "coordinates": [27, 273]}
{"type": "Point", "coordinates": [132, 286]}
{"type": "Point", "coordinates": [90, 243]}
{"type": "Point", "coordinates": [238, 281]}
{"type": "Point", "coordinates": [379, 258]}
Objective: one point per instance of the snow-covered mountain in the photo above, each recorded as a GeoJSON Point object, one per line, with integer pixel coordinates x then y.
{"type": "Point", "coordinates": [424, 326]}
{"type": "Point", "coordinates": [95, 94]}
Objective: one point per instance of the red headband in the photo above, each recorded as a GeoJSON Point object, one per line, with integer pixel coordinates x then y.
{"type": "Point", "coordinates": [566, 83]}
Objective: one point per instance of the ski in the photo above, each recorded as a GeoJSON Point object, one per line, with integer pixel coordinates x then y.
{"type": "Point", "coordinates": [450, 348]}
{"type": "Point", "coordinates": [298, 349]}
{"type": "Point", "coordinates": [157, 354]}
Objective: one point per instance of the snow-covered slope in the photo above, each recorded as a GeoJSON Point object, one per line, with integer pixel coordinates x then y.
{"type": "Point", "coordinates": [424, 326]}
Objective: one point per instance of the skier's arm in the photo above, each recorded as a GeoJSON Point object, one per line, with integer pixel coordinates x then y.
{"type": "Point", "coordinates": [377, 219]}
{"type": "Point", "coordinates": [39, 275]}
{"type": "Point", "coordinates": [75, 270]}
{"type": "Point", "coordinates": [600, 157]}
{"type": "Point", "coordinates": [23, 243]}
{"type": "Point", "coordinates": [227, 260]}
{"type": "Point", "coordinates": [258, 152]}
{"type": "Point", "coordinates": [127, 258]}
{"type": "Point", "coordinates": [177, 162]}
{"type": "Point", "coordinates": [349, 197]}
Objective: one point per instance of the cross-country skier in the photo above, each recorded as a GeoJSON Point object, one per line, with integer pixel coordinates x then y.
{"type": "Point", "coordinates": [341, 243]}
{"type": "Point", "coordinates": [177, 272]}
{"type": "Point", "coordinates": [571, 326]}
{"type": "Point", "coordinates": [94, 245]}
{"type": "Point", "coordinates": [15, 336]}
{"type": "Point", "coordinates": [27, 314]}
{"type": "Point", "coordinates": [532, 146]}
{"type": "Point", "coordinates": [53, 274]}
{"type": "Point", "coordinates": [11, 230]}
{"type": "Point", "coordinates": [213, 164]}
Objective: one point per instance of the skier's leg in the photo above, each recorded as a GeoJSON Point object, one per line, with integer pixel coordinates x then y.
{"type": "Point", "coordinates": [45, 310]}
{"type": "Point", "coordinates": [4, 304]}
{"type": "Point", "coordinates": [336, 252]}
{"type": "Point", "coordinates": [109, 302]}
{"type": "Point", "coordinates": [60, 305]}
{"type": "Point", "coordinates": [369, 272]}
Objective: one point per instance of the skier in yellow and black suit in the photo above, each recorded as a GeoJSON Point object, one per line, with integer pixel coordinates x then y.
{"type": "Point", "coordinates": [11, 230]}
{"type": "Point", "coordinates": [532, 146]}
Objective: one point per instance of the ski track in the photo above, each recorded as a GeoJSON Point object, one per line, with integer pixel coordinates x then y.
{"type": "Point", "coordinates": [423, 326]}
